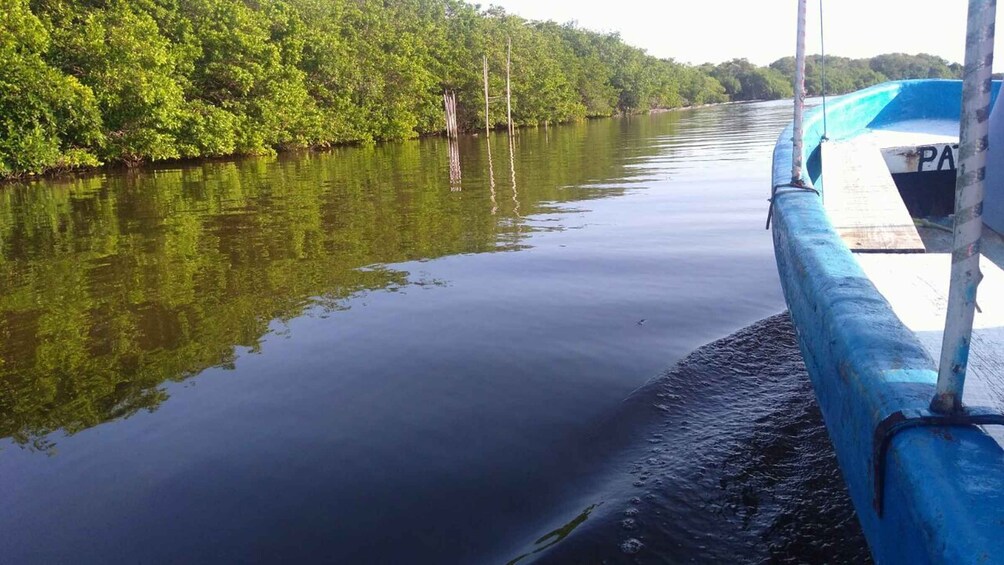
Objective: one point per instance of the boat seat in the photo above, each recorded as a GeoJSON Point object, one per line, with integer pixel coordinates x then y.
{"type": "Point", "coordinates": [862, 201]}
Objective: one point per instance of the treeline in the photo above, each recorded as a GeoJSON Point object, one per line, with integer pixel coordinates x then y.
{"type": "Point", "coordinates": [90, 81]}
{"type": "Point", "coordinates": [85, 82]}
{"type": "Point", "coordinates": [743, 80]}
{"type": "Point", "coordinates": [847, 75]}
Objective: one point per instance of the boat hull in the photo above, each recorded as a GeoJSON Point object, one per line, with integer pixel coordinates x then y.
{"type": "Point", "coordinates": [943, 499]}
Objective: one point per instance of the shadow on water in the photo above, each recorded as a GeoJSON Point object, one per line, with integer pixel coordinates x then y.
{"type": "Point", "coordinates": [726, 460]}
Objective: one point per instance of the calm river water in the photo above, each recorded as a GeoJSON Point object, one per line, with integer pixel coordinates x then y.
{"type": "Point", "coordinates": [369, 356]}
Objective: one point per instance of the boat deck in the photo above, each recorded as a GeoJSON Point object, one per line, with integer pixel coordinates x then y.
{"type": "Point", "coordinates": [913, 133]}
{"type": "Point", "coordinates": [862, 201]}
{"type": "Point", "coordinates": [916, 284]}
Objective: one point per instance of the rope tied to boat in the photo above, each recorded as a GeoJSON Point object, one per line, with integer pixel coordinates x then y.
{"type": "Point", "coordinates": [773, 194]}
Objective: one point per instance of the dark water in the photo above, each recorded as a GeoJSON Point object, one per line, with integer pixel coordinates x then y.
{"type": "Point", "coordinates": [353, 357]}
{"type": "Point", "coordinates": [730, 463]}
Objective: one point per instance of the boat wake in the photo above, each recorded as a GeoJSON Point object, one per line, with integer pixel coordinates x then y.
{"type": "Point", "coordinates": [730, 463]}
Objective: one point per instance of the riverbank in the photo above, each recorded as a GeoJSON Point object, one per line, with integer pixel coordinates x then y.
{"type": "Point", "coordinates": [697, 106]}
{"type": "Point", "coordinates": [127, 82]}
{"type": "Point", "coordinates": [70, 172]}
{"type": "Point", "coordinates": [136, 82]}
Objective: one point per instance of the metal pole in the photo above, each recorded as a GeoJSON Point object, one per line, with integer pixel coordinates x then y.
{"type": "Point", "coordinates": [973, 132]}
{"type": "Point", "coordinates": [799, 88]}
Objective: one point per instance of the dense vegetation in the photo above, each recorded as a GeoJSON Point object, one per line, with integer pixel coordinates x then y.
{"type": "Point", "coordinates": [84, 82]}
{"type": "Point", "coordinates": [846, 75]}
{"type": "Point", "coordinates": [743, 80]}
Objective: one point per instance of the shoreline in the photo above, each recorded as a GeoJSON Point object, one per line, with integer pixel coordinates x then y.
{"type": "Point", "coordinates": [57, 174]}
{"type": "Point", "coordinates": [698, 106]}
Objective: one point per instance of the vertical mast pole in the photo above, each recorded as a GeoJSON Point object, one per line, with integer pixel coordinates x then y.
{"type": "Point", "coordinates": [799, 88]}
{"type": "Point", "coordinates": [969, 183]}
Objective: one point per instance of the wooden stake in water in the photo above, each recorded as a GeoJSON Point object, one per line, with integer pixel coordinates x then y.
{"type": "Point", "coordinates": [508, 92]}
{"type": "Point", "coordinates": [446, 110]}
{"type": "Point", "coordinates": [453, 114]}
{"type": "Point", "coordinates": [450, 105]}
{"type": "Point", "coordinates": [488, 143]}
{"type": "Point", "coordinates": [487, 128]}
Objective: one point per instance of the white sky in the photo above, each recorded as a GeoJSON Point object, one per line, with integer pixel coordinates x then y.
{"type": "Point", "coordinates": [698, 31]}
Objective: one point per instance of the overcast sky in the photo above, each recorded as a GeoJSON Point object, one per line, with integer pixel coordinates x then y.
{"type": "Point", "coordinates": [697, 31]}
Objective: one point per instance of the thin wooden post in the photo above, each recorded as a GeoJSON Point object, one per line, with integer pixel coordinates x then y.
{"type": "Point", "coordinates": [453, 107]}
{"type": "Point", "coordinates": [487, 128]}
{"type": "Point", "coordinates": [450, 106]}
{"type": "Point", "coordinates": [508, 92]}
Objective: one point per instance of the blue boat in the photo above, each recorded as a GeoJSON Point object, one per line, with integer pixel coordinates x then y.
{"type": "Point", "coordinates": [873, 198]}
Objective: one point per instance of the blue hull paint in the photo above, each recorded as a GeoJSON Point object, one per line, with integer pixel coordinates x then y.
{"type": "Point", "coordinates": [944, 488]}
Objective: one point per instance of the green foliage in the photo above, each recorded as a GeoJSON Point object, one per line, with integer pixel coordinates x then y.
{"type": "Point", "coordinates": [129, 66]}
{"type": "Point", "coordinates": [846, 75]}
{"type": "Point", "coordinates": [898, 66]}
{"type": "Point", "coordinates": [248, 67]}
{"type": "Point", "coordinates": [48, 120]}
{"type": "Point", "coordinates": [743, 80]}
{"type": "Point", "coordinates": [144, 80]}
